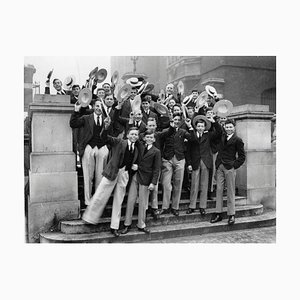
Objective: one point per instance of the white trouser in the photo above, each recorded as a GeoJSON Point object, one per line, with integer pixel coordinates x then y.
{"type": "Point", "coordinates": [95, 210]}
{"type": "Point", "coordinates": [93, 161]}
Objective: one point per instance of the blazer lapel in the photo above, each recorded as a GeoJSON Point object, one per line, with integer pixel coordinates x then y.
{"type": "Point", "coordinates": [91, 122]}
{"type": "Point", "coordinates": [149, 152]}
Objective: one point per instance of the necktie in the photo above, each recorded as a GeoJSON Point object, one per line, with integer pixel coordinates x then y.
{"type": "Point", "coordinates": [136, 124]}
{"type": "Point", "coordinates": [98, 122]}
{"type": "Point", "coordinates": [146, 149]}
{"type": "Point", "coordinates": [131, 147]}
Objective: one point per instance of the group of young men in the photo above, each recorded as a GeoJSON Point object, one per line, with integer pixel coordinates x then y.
{"type": "Point", "coordinates": [135, 149]}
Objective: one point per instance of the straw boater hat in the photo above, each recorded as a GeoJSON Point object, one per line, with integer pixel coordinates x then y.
{"type": "Point", "coordinates": [161, 109]}
{"type": "Point", "coordinates": [223, 108]}
{"type": "Point", "coordinates": [101, 75]}
{"type": "Point", "coordinates": [202, 99]}
{"type": "Point", "coordinates": [124, 92]}
{"type": "Point", "coordinates": [93, 72]}
{"type": "Point", "coordinates": [211, 91]}
{"type": "Point", "coordinates": [134, 82]}
{"type": "Point", "coordinates": [69, 82]}
{"type": "Point", "coordinates": [85, 97]}
{"type": "Point", "coordinates": [180, 87]}
{"type": "Point", "coordinates": [200, 117]}
{"type": "Point", "coordinates": [136, 103]}
{"type": "Point", "coordinates": [115, 78]}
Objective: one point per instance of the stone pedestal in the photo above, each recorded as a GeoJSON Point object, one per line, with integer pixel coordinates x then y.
{"type": "Point", "coordinates": [256, 177]}
{"type": "Point", "coordinates": [53, 192]}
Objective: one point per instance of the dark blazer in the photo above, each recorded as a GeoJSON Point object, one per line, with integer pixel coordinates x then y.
{"type": "Point", "coordinates": [198, 149]}
{"type": "Point", "coordinates": [87, 124]}
{"type": "Point", "coordinates": [149, 166]}
{"type": "Point", "coordinates": [174, 144]}
{"type": "Point", "coordinates": [119, 126]}
{"type": "Point", "coordinates": [150, 115]}
{"type": "Point", "coordinates": [231, 153]}
{"type": "Point", "coordinates": [116, 156]}
{"type": "Point", "coordinates": [125, 123]}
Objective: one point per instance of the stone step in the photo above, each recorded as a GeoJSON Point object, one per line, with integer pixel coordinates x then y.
{"type": "Point", "coordinates": [79, 226]}
{"type": "Point", "coordinates": [183, 205]}
{"type": "Point", "coordinates": [163, 231]}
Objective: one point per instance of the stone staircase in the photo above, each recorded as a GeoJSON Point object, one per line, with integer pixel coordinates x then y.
{"type": "Point", "coordinates": [166, 226]}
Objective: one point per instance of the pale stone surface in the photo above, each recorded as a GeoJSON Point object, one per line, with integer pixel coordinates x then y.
{"type": "Point", "coordinates": [265, 196]}
{"type": "Point", "coordinates": [43, 162]}
{"type": "Point", "coordinates": [260, 157]}
{"type": "Point", "coordinates": [51, 132]}
{"type": "Point", "coordinates": [250, 108]}
{"type": "Point", "coordinates": [46, 98]}
{"type": "Point", "coordinates": [260, 176]}
{"type": "Point", "coordinates": [256, 134]}
{"type": "Point", "coordinates": [42, 216]}
{"type": "Point", "coordinates": [60, 186]}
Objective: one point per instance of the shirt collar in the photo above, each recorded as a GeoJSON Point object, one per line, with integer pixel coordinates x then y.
{"type": "Point", "coordinates": [229, 136]}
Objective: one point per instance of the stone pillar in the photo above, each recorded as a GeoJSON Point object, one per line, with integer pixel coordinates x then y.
{"type": "Point", "coordinates": [53, 192]}
{"type": "Point", "coordinates": [256, 177]}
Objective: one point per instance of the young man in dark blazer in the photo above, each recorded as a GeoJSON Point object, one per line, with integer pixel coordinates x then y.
{"type": "Point", "coordinates": [230, 157]}
{"type": "Point", "coordinates": [200, 160]}
{"type": "Point", "coordinates": [173, 163]}
{"type": "Point", "coordinates": [143, 182]}
{"type": "Point", "coordinates": [123, 161]}
{"type": "Point", "coordinates": [91, 147]}
{"type": "Point", "coordinates": [146, 111]}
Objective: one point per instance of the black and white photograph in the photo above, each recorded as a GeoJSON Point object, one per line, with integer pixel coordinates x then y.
{"type": "Point", "coordinates": [150, 149]}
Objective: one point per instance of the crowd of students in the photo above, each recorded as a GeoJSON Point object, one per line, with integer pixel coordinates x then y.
{"type": "Point", "coordinates": [186, 146]}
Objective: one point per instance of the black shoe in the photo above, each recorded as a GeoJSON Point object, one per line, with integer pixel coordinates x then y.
{"type": "Point", "coordinates": [145, 230]}
{"type": "Point", "coordinates": [190, 211]}
{"type": "Point", "coordinates": [216, 218]}
{"type": "Point", "coordinates": [164, 211]}
{"type": "Point", "coordinates": [126, 229]}
{"type": "Point", "coordinates": [115, 232]}
{"type": "Point", "coordinates": [202, 211]}
{"type": "Point", "coordinates": [231, 220]}
{"type": "Point", "coordinates": [175, 212]}
{"type": "Point", "coordinates": [154, 213]}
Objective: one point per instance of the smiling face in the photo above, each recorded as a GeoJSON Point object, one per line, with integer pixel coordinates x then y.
{"type": "Point", "coordinates": [171, 103]}
{"type": "Point", "coordinates": [151, 125]}
{"type": "Point", "coordinates": [145, 105]}
{"type": "Point", "coordinates": [137, 116]}
{"type": "Point", "coordinates": [109, 100]}
{"type": "Point", "coordinates": [176, 110]}
{"type": "Point", "coordinates": [149, 138]}
{"type": "Point", "coordinates": [170, 88]}
{"type": "Point", "coordinates": [106, 87]}
{"type": "Point", "coordinates": [97, 108]}
{"type": "Point", "coordinates": [57, 85]}
{"type": "Point", "coordinates": [200, 126]}
{"type": "Point", "coordinates": [101, 93]}
{"type": "Point", "coordinates": [75, 91]}
{"type": "Point", "coordinates": [229, 128]}
{"type": "Point", "coordinates": [195, 95]}
{"type": "Point", "coordinates": [177, 121]}
{"type": "Point", "coordinates": [133, 135]}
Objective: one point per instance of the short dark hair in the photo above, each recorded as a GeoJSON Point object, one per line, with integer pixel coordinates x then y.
{"type": "Point", "coordinates": [109, 94]}
{"type": "Point", "coordinates": [99, 89]}
{"type": "Point", "coordinates": [151, 119]}
{"type": "Point", "coordinates": [200, 121]}
{"type": "Point", "coordinates": [230, 121]}
{"type": "Point", "coordinates": [132, 128]}
{"type": "Point", "coordinates": [55, 80]}
{"type": "Point", "coordinates": [148, 132]}
{"type": "Point", "coordinates": [209, 108]}
{"type": "Point", "coordinates": [146, 99]}
{"type": "Point", "coordinates": [105, 83]}
{"type": "Point", "coordinates": [196, 91]}
{"type": "Point", "coordinates": [177, 115]}
{"type": "Point", "coordinates": [75, 86]}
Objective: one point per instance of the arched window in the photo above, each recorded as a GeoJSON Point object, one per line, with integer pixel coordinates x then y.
{"type": "Point", "coordinates": [268, 97]}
